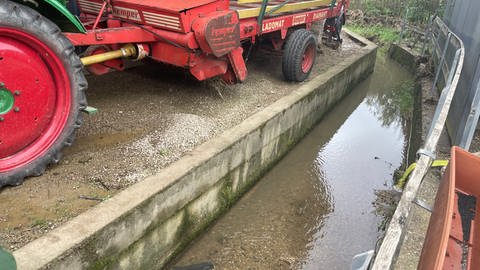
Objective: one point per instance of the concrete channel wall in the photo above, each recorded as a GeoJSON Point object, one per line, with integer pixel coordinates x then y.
{"type": "Point", "coordinates": [413, 219]}
{"type": "Point", "coordinates": [404, 56]}
{"type": "Point", "coordinates": [143, 226]}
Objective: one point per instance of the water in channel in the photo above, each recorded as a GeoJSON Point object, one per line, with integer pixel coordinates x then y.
{"type": "Point", "coordinates": [314, 209]}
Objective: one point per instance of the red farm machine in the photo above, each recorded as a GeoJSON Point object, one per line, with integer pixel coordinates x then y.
{"type": "Point", "coordinates": [45, 45]}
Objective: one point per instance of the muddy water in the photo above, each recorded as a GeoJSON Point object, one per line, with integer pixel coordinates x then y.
{"type": "Point", "coordinates": [314, 209]}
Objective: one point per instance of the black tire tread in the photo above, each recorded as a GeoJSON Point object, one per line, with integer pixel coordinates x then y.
{"type": "Point", "coordinates": [292, 57]}
{"type": "Point", "coordinates": [19, 16]}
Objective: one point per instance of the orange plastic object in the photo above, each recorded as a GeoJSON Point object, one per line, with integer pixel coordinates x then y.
{"type": "Point", "coordinates": [443, 246]}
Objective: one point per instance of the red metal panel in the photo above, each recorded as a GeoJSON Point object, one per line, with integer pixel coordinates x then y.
{"type": "Point", "coordinates": [442, 248]}
{"type": "Point", "coordinates": [467, 176]}
{"type": "Point", "coordinates": [456, 228]}
{"type": "Point", "coordinates": [131, 35]}
{"type": "Point", "coordinates": [90, 6]}
{"type": "Point", "coordinates": [174, 6]}
{"type": "Point", "coordinates": [453, 255]}
{"type": "Point", "coordinates": [175, 17]}
{"type": "Point", "coordinates": [154, 14]}
{"type": "Point", "coordinates": [172, 16]}
{"type": "Point", "coordinates": [207, 67]}
{"type": "Point", "coordinates": [474, 251]}
{"type": "Point", "coordinates": [201, 66]}
{"type": "Point", "coordinates": [238, 64]}
{"type": "Point", "coordinates": [150, 15]}
{"type": "Point", "coordinates": [249, 27]}
{"type": "Point", "coordinates": [219, 33]}
{"type": "Point", "coordinates": [435, 245]}
{"type": "Point", "coordinates": [169, 54]}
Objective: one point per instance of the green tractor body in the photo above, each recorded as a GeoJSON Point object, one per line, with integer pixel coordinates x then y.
{"type": "Point", "coordinates": [56, 11]}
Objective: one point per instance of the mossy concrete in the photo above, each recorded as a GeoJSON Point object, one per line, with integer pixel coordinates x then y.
{"type": "Point", "coordinates": [404, 56]}
{"type": "Point", "coordinates": [410, 246]}
{"type": "Point", "coordinates": [145, 225]}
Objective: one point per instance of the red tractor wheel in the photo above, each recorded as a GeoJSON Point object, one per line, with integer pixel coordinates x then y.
{"type": "Point", "coordinates": [41, 93]}
{"type": "Point", "coordinates": [299, 55]}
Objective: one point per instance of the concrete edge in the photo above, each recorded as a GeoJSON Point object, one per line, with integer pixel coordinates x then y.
{"type": "Point", "coordinates": [106, 231]}
{"type": "Point", "coordinates": [400, 226]}
{"type": "Point", "coordinates": [358, 38]}
{"type": "Point", "coordinates": [405, 57]}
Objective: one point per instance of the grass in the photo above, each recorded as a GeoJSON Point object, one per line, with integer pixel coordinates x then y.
{"type": "Point", "coordinates": [382, 35]}
{"type": "Point", "coordinates": [40, 222]}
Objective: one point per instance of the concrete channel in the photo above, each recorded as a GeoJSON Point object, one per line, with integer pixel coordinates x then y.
{"type": "Point", "coordinates": [143, 226]}
{"type": "Point", "coordinates": [327, 199]}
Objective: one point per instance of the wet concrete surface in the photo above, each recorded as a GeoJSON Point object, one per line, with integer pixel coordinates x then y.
{"type": "Point", "coordinates": [315, 209]}
{"type": "Point", "coordinates": [149, 116]}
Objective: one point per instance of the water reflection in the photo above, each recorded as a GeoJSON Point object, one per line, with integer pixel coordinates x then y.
{"type": "Point", "coordinates": [358, 159]}
{"type": "Point", "coordinates": [314, 209]}
{"type": "Point", "coordinates": [393, 107]}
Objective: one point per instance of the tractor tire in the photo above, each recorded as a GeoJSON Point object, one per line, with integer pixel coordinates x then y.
{"type": "Point", "coordinates": [299, 55]}
{"type": "Point", "coordinates": [43, 86]}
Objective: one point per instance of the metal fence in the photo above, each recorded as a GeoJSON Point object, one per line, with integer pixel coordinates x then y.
{"type": "Point", "coordinates": [414, 37]}
{"type": "Point", "coordinates": [448, 54]}
{"type": "Point", "coordinates": [396, 7]}
{"type": "Point", "coordinates": [462, 17]}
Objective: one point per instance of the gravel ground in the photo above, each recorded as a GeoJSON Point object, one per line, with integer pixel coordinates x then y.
{"type": "Point", "coordinates": [149, 116]}
{"type": "Point", "coordinates": [475, 146]}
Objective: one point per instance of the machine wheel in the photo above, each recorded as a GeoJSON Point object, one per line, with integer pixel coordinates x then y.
{"type": "Point", "coordinates": [42, 92]}
{"type": "Point", "coordinates": [299, 55]}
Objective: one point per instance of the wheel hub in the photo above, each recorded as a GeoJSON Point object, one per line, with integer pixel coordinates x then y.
{"type": "Point", "coordinates": [32, 98]}
{"type": "Point", "coordinates": [308, 58]}
{"type": "Point", "coordinates": [6, 100]}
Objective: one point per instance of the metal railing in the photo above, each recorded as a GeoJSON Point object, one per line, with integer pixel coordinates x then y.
{"type": "Point", "coordinates": [472, 120]}
{"type": "Point", "coordinates": [448, 53]}
{"type": "Point", "coordinates": [462, 17]}
{"type": "Point", "coordinates": [449, 63]}
{"type": "Point", "coordinates": [413, 36]}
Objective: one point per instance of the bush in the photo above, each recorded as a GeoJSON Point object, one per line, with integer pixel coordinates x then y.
{"type": "Point", "coordinates": [418, 10]}
{"type": "Point", "coordinates": [383, 35]}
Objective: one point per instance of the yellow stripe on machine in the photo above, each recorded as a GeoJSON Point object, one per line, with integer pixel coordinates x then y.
{"type": "Point", "coordinates": [290, 7]}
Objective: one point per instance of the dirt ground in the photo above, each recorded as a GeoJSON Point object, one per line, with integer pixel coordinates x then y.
{"type": "Point", "coordinates": [149, 116]}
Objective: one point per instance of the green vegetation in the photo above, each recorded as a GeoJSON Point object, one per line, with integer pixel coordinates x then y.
{"type": "Point", "coordinates": [378, 8]}
{"type": "Point", "coordinates": [382, 21]}
{"type": "Point", "coordinates": [40, 223]}
{"type": "Point", "coordinates": [416, 11]}
{"type": "Point", "coordinates": [395, 106]}
{"type": "Point", "coordinates": [382, 35]}
{"type": "Point", "coordinates": [403, 98]}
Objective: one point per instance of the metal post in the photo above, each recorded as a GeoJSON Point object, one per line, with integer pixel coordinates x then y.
{"type": "Point", "coordinates": [442, 59]}
{"type": "Point", "coordinates": [472, 121]}
{"type": "Point", "coordinates": [404, 25]}
{"type": "Point", "coordinates": [426, 38]}
{"type": "Point", "coordinates": [261, 15]}
{"type": "Point", "coordinates": [446, 89]}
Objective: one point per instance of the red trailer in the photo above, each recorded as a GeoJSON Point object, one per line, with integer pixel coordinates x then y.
{"type": "Point", "coordinates": [44, 49]}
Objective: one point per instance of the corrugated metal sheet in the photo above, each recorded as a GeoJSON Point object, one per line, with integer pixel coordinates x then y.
{"type": "Point", "coordinates": [463, 18]}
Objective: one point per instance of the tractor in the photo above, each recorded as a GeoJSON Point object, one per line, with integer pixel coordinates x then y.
{"type": "Point", "coordinates": [46, 46]}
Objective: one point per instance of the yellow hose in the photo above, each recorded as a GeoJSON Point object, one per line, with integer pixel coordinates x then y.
{"type": "Point", "coordinates": [402, 181]}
